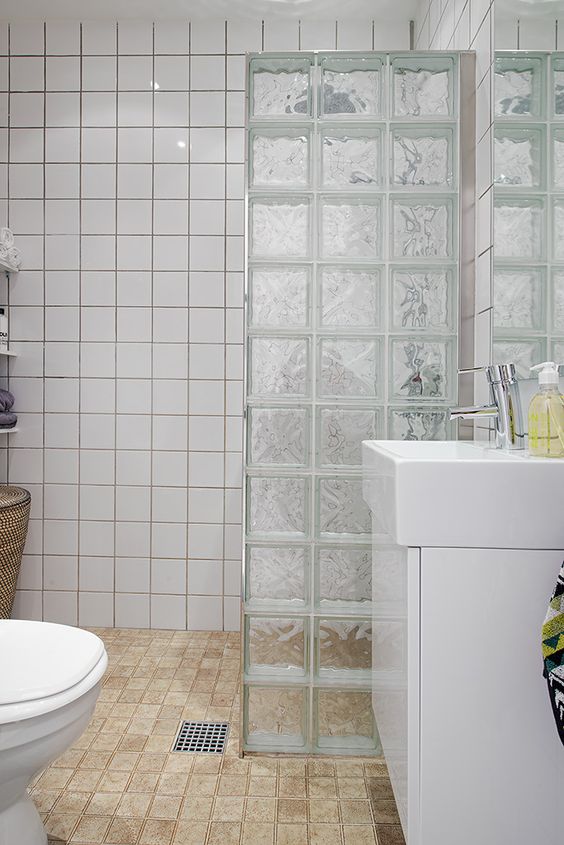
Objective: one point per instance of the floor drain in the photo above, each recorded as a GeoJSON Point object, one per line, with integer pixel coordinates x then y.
{"type": "Point", "coordinates": [202, 737]}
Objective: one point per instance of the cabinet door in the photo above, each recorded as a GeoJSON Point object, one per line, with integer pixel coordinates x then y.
{"type": "Point", "coordinates": [492, 766]}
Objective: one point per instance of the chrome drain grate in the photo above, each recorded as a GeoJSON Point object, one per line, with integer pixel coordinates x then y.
{"type": "Point", "coordinates": [202, 737]}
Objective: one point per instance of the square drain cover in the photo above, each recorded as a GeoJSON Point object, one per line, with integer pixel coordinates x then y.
{"type": "Point", "coordinates": [202, 737]}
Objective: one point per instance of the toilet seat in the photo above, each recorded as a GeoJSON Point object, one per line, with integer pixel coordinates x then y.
{"type": "Point", "coordinates": [44, 666]}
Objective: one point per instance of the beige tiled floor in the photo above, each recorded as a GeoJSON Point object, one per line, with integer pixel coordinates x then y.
{"type": "Point", "coordinates": [120, 784]}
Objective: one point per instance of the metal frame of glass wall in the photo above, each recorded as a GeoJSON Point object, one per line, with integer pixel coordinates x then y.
{"type": "Point", "coordinates": [352, 322]}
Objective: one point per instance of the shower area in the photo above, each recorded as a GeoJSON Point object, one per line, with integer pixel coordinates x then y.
{"type": "Point", "coordinates": [352, 333]}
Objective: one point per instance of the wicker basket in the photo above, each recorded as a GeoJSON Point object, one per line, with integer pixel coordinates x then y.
{"type": "Point", "coordinates": [14, 517]}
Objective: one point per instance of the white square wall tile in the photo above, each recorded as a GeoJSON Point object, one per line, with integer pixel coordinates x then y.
{"type": "Point", "coordinates": [135, 37]}
{"type": "Point", "coordinates": [60, 573]}
{"type": "Point", "coordinates": [132, 611]}
{"type": "Point", "coordinates": [96, 538]}
{"type": "Point", "coordinates": [133, 504]}
{"type": "Point", "coordinates": [231, 613]}
{"type": "Point", "coordinates": [244, 36]}
{"type": "Point", "coordinates": [205, 613]}
{"type": "Point", "coordinates": [62, 38]}
{"type": "Point", "coordinates": [207, 73]}
{"type": "Point", "coordinates": [168, 576]}
{"type": "Point", "coordinates": [172, 37]}
{"type": "Point", "coordinates": [132, 575]}
{"type": "Point", "coordinates": [168, 612]}
{"type": "Point", "coordinates": [207, 36]}
{"type": "Point", "coordinates": [60, 607]}
{"type": "Point", "coordinates": [99, 37]}
{"type": "Point", "coordinates": [27, 38]}
{"type": "Point", "coordinates": [281, 35]}
{"type": "Point", "coordinates": [172, 73]}
{"type": "Point", "coordinates": [95, 610]}
{"type": "Point", "coordinates": [205, 578]}
{"type": "Point", "coordinates": [205, 542]}
{"type": "Point", "coordinates": [96, 574]}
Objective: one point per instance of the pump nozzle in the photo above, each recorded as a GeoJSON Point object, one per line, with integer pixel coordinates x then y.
{"type": "Point", "coordinates": [548, 372]}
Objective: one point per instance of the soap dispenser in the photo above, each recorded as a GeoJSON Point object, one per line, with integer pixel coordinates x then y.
{"type": "Point", "coordinates": [546, 414]}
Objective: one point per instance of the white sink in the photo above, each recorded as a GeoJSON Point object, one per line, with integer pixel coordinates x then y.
{"type": "Point", "coordinates": [422, 493]}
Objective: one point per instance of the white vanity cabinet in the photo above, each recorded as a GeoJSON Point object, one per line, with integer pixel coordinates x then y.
{"type": "Point", "coordinates": [459, 698]}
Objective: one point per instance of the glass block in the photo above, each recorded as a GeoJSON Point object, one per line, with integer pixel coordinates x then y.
{"type": "Point", "coordinates": [422, 157]}
{"type": "Point", "coordinates": [389, 576]}
{"type": "Point", "coordinates": [277, 506]}
{"type": "Point", "coordinates": [351, 87]}
{"type": "Point", "coordinates": [342, 511]}
{"type": "Point", "coordinates": [523, 353]}
{"type": "Point", "coordinates": [344, 721]}
{"type": "Point", "coordinates": [423, 86]}
{"type": "Point", "coordinates": [350, 368]}
{"type": "Point", "coordinates": [351, 158]}
{"type": "Point", "coordinates": [519, 228]}
{"type": "Point", "coordinates": [275, 717]}
{"type": "Point", "coordinates": [421, 368]}
{"type": "Point", "coordinates": [340, 434]}
{"type": "Point", "coordinates": [422, 299]}
{"type": "Point", "coordinates": [276, 574]}
{"type": "Point", "coordinates": [558, 229]}
{"type": "Point", "coordinates": [278, 436]}
{"type": "Point", "coordinates": [558, 301]}
{"type": "Point", "coordinates": [558, 86]}
{"type": "Point", "coordinates": [276, 646]}
{"type": "Point", "coordinates": [557, 351]}
{"type": "Point", "coordinates": [343, 648]}
{"type": "Point", "coordinates": [519, 299]}
{"type": "Point", "coordinates": [279, 158]}
{"type": "Point", "coordinates": [279, 296]}
{"type": "Point", "coordinates": [519, 155]}
{"type": "Point", "coordinates": [422, 228]}
{"type": "Point", "coordinates": [558, 158]}
{"type": "Point", "coordinates": [519, 86]}
{"type": "Point", "coordinates": [343, 577]}
{"type": "Point", "coordinates": [280, 228]}
{"type": "Point", "coordinates": [280, 88]}
{"type": "Point", "coordinates": [350, 229]}
{"type": "Point", "coordinates": [420, 424]}
{"type": "Point", "coordinates": [350, 297]}
{"type": "Point", "coordinates": [278, 366]}
{"type": "Point", "coordinates": [389, 647]}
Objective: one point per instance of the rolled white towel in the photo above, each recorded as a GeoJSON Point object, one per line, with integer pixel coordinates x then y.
{"type": "Point", "coordinates": [14, 257]}
{"type": "Point", "coordinates": [6, 237]}
{"type": "Point", "coordinates": [3, 252]}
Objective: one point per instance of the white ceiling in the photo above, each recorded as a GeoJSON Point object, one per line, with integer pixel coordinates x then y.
{"type": "Point", "coordinates": [115, 9]}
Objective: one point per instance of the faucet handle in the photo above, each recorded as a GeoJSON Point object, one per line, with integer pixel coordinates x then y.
{"type": "Point", "coordinates": [495, 373]}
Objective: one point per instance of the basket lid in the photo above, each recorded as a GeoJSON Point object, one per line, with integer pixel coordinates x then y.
{"type": "Point", "coordinates": [10, 496]}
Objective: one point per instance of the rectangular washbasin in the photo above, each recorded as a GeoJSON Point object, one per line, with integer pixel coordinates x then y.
{"type": "Point", "coordinates": [463, 494]}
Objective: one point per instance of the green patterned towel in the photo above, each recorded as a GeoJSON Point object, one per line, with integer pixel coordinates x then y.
{"type": "Point", "coordinates": [553, 652]}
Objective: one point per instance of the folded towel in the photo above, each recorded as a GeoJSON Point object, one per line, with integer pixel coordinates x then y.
{"type": "Point", "coordinates": [14, 256]}
{"type": "Point", "coordinates": [553, 652]}
{"type": "Point", "coordinates": [3, 251]}
{"type": "Point", "coordinates": [8, 420]}
{"type": "Point", "coordinates": [6, 400]}
{"type": "Point", "coordinates": [6, 237]}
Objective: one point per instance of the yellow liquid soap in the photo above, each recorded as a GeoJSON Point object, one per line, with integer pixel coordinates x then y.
{"type": "Point", "coordinates": [546, 424]}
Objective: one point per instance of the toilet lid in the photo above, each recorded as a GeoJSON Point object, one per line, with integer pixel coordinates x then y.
{"type": "Point", "coordinates": [38, 659]}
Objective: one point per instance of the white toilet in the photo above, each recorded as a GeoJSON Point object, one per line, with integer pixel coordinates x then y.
{"type": "Point", "coordinates": [50, 677]}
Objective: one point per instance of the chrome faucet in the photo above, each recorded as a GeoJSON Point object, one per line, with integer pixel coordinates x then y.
{"type": "Point", "coordinates": [504, 407]}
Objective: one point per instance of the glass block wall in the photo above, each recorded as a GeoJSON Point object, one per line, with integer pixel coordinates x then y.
{"type": "Point", "coordinates": [351, 335]}
{"type": "Point", "coordinates": [529, 208]}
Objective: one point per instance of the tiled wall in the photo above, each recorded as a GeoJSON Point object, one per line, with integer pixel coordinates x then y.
{"type": "Point", "coordinates": [468, 25]}
{"type": "Point", "coordinates": [121, 174]}
{"type": "Point", "coordinates": [530, 33]}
